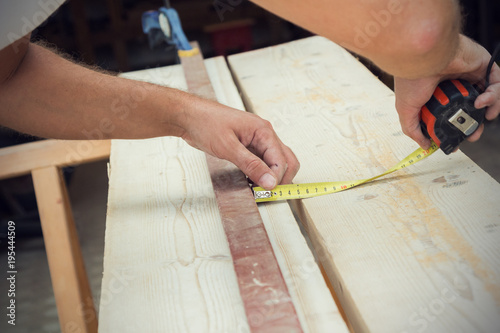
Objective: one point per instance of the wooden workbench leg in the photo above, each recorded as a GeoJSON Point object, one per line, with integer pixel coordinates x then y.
{"type": "Point", "coordinates": [69, 279]}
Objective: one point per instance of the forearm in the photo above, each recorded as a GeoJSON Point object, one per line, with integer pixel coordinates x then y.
{"type": "Point", "coordinates": [406, 38]}
{"type": "Point", "coordinates": [49, 96]}
{"type": "Point", "coordinates": [42, 94]}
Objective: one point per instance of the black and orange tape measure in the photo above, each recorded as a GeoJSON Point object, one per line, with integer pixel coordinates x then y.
{"type": "Point", "coordinates": [450, 116]}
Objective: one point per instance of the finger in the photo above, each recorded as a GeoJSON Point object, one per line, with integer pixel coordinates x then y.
{"type": "Point", "coordinates": [477, 134]}
{"type": "Point", "coordinates": [493, 111]}
{"type": "Point", "coordinates": [252, 166]}
{"type": "Point", "coordinates": [279, 168]}
{"type": "Point", "coordinates": [491, 99]}
{"type": "Point", "coordinates": [266, 145]}
{"type": "Point", "coordinates": [485, 99]}
{"type": "Point", "coordinates": [293, 166]}
{"type": "Point", "coordinates": [410, 124]}
{"type": "Point", "coordinates": [268, 155]}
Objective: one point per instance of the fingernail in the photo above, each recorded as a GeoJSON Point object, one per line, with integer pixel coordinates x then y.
{"type": "Point", "coordinates": [267, 181]}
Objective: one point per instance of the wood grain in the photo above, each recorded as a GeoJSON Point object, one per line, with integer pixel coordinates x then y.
{"type": "Point", "coordinates": [165, 247]}
{"type": "Point", "coordinates": [167, 265]}
{"type": "Point", "coordinates": [315, 307]}
{"type": "Point", "coordinates": [259, 276]}
{"type": "Point", "coordinates": [417, 251]}
{"type": "Point", "coordinates": [21, 159]}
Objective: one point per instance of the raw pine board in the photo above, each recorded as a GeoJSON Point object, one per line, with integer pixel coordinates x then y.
{"type": "Point", "coordinates": [165, 240]}
{"type": "Point", "coordinates": [315, 307]}
{"type": "Point", "coordinates": [416, 251]}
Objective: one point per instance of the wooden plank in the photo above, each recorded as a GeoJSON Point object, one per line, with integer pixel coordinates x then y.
{"type": "Point", "coordinates": [167, 265]}
{"type": "Point", "coordinates": [21, 159]}
{"type": "Point", "coordinates": [259, 276]}
{"type": "Point", "coordinates": [313, 301]}
{"type": "Point", "coordinates": [315, 307]}
{"type": "Point", "coordinates": [418, 251]}
{"type": "Point", "coordinates": [75, 306]}
{"type": "Point", "coordinates": [164, 271]}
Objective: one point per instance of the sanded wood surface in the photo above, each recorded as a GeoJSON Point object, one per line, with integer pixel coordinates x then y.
{"type": "Point", "coordinates": [259, 277]}
{"type": "Point", "coordinates": [315, 307]}
{"type": "Point", "coordinates": [167, 264]}
{"type": "Point", "coordinates": [21, 159]}
{"type": "Point", "coordinates": [164, 239]}
{"type": "Point", "coordinates": [417, 251]}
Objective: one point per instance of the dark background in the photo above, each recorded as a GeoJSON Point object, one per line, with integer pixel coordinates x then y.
{"type": "Point", "coordinates": [109, 33]}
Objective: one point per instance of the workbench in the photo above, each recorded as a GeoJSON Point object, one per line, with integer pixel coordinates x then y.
{"type": "Point", "coordinates": [417, 251]}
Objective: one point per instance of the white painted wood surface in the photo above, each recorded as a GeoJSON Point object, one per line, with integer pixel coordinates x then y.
{"type": "Point", "coordinates": [418, 251]}
{"type": "Point", "coordinates": [167, 265]}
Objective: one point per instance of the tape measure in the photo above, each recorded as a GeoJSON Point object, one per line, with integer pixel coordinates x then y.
{"type": "Point", "coordinates": [450, 116]}
{"type": "Point", "coordinates": [309, 190]}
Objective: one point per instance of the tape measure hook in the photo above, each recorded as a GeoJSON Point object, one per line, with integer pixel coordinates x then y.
{"type": "Point", "coordinates": [262, 194]}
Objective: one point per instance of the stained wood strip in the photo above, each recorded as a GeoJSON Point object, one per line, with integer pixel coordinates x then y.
{"type": "Point", "coordinates": [259, 276]}
{"type": "Point", "coordinates": [418, 251]}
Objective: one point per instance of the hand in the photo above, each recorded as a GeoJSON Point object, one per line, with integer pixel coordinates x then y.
{"type": "Point", "coordinates": [242, 138]}
{"type": "Point", "coordinates": [470, 63]}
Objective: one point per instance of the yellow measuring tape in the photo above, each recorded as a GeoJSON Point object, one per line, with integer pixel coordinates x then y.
{"type": "Point", "coordinates": [309, 190]}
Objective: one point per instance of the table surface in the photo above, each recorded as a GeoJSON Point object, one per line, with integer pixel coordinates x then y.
{"type": "Point", "coordinates": [167, 264]}
{"type": "Point", "coordinates": [416, 251]}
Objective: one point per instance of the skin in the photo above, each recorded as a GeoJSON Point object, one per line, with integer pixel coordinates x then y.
{"type": "Point", "coordinates": [45, 95]}
{"type": "Point", "coordinates": [470, 63]}
{"type": "Point", "coordinates": [419, 43]}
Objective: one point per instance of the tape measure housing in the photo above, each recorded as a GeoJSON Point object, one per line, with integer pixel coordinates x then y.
{"type": "Point", "coordinates": [450, 116]}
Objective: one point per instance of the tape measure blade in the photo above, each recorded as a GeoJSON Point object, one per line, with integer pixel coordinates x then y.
{"type": "Point", "coordinates": [310, 190]}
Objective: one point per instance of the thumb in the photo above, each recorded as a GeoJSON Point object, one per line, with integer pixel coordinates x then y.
{"type": "Point", "coordinates": [410, 124]}
{"type": "Point", "coordinates": [415, 132]}
{"type": "Point", "coordinates": [252, 166]}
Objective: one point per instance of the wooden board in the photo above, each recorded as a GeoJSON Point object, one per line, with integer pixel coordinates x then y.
{"type": "Point", "coordinates": [21, 159]}
{"type": "Point", "coordinates": [167, 265]}
{"type": "Point", "coordinates": [417, 251]}
{"type": "Point", "coordinates": [257, 271]}
{"type": "Point", "coordinates": [164, 246]}
{"type": "Point", "coordinates": [315, 307]}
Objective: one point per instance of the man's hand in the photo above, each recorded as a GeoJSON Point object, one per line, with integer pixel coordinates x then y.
{"type": "Point", "coordinates": [470, 63]}
{"type": "Point", "coordinates": [242, 138]}
{"type": "Point", "coordinates": [76, 106]}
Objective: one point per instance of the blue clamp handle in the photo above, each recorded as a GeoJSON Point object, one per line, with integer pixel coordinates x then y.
{"type": "Point", "coordinates": [151, 20]}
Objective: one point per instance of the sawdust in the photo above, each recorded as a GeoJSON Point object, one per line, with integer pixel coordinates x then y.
{"type": "Point", "coordinates": [435, 232]}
